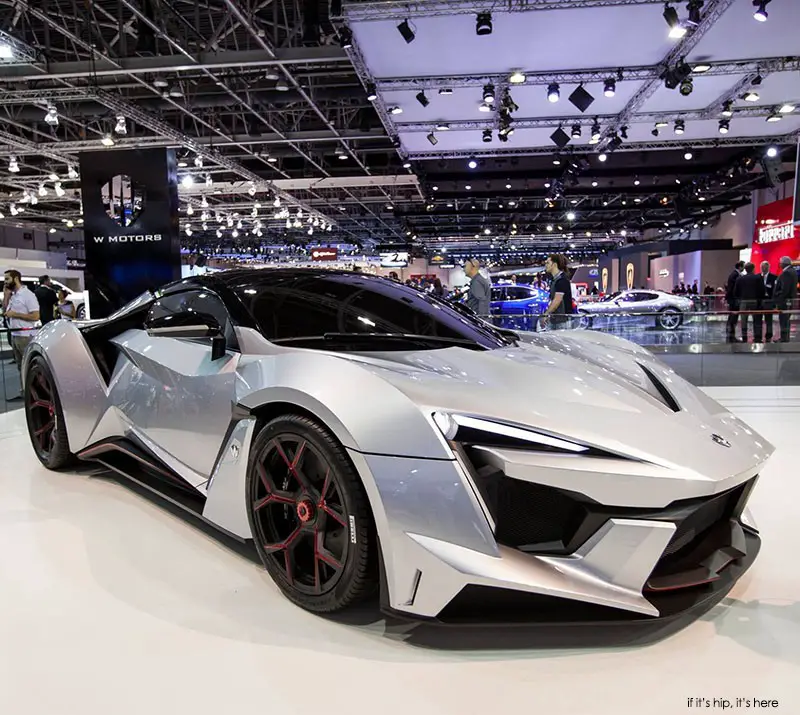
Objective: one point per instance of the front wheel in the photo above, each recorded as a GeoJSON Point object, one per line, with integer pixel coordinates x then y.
{"type": "Point", "coordinates": [669, 319]}
{"type": "Point", "coordinates": [310, 516]}
{"type": "Point", "coordinates": [585, 321]}
{"type": "Point", "coordinates": [44, 416]}
{"type": "Point", "coordinates": [80, 313]}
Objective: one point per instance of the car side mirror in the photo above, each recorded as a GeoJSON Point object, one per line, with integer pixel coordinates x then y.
{"type": "Point", "coordinates": [193, 326]}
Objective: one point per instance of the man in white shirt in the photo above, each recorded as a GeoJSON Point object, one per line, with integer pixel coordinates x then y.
{"type": "Point", "coordinates": [21, 312]}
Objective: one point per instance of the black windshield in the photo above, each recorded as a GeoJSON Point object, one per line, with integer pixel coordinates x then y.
{"type": "Point", "coordinates": [298, 306]}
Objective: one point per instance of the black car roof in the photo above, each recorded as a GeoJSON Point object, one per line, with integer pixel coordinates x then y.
{"type": "Point", "coordinates": [243, 277]}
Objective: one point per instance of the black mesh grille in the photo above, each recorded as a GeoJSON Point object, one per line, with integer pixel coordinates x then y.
{"type": "Point", "coordinates": [699, 521]}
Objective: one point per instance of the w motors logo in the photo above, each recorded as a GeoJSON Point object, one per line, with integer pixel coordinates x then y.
{"type": "Point", "coordinates": [124, 200]}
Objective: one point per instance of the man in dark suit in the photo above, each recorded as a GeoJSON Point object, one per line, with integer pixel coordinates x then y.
{"type": "Point", "coordinates": [749, 293]}
{"type": "Point", "coordinates": [730, 297]}
{"type": "Point", "coordinates": [785, 295]}
{"type": "Point", "coordinates": [769, 287]}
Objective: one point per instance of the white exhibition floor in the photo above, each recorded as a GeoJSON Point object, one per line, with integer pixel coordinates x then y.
{"type": "Point", "coordinates": [111, 604]}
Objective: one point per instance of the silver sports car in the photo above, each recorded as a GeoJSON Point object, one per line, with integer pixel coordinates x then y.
{"type": "Point", "coordinates": [669, 311]}
{"type": "Point", "coordinates": [365, 436]}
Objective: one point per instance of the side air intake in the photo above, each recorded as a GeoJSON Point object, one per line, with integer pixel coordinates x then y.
{"type": "Point", "coordinates": [661, 390]}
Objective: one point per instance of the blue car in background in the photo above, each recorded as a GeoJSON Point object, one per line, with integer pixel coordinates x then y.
{"type": "Point", "coordinates": [517, 307]}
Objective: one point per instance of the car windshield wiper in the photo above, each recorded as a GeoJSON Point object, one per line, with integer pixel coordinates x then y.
{"type": "Point", "coordinates": [379, 337]}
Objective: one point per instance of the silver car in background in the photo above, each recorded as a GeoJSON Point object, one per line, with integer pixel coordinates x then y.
{"type": "Point", "coordinates": [669, 311]}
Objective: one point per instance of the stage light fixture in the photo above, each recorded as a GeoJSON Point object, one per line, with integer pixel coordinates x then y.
{"type": "Point", "coordinates": [472, 164]}
{"type": "Point", "coordinates": [787, 108]}
{"type": "Point", "coordinates": [422, 99]}
{"type": "Point", "coordinates": [121, 126]}
{"type": "Point", "coordinates": [445, 92]}
{"type": "Point", "coordinates": [688, 155]}
{"type": "Point", "coordinates": [553, 92]}
{"type": "Point", "coordinates": [483, 107]}
{"type": "Point", "coordinates": [596, 133]}
{"type": "Point", "coordinates": [395, 110]}
{"type": "Point", "coordinates": [680, 126]}
{"type": "Point", "coordinates": [701, 67]}
{"type": "Point", "coordinates": [517, 77]}
{"type": "Point", "coordinates": [345, 38]}
{"type": "Point", "coordinates": [187, 181]}
{"type": "Point", "coordinates": [71, 173]}
{"type": "Point", "coordinates": [372, 93]}
{"type": "Point", "coordinates": [610, 87]}
{"type": "Point", "coordinates": [602, 157]}
{"type": "Point", "coordinates": [483, 23]}
{"type": "Point", "coordinates": [406, 164]}
{"type": "Point", "coordinates": [487, 135]}
{"type": "Point", "coordinates": [6, 51]}
{"type": "Point", "coordinates": [694, 8]}
{"type": "Point", "coordinates": [488, 93]}
{"type": "Point", "coordinates": [772, 152]}
{"type": "Point", "coordinates": [13, 165]}
{"type": "Point", "coordinates": [571, 216]}
{"type": "Point", "coordinates": [687, 87]}
{"type": "Point", "coordinates": [209, 180]}
{"type": "Point", "coordinates": [51, 117]}
{"type": "Point", "coordinates": [107, 140]}
{"type": "Point", "coordinates": [432, 139]}
{"type": "Point", "coordinates": [727, 109]}
{"type": "Point", "coordinates": [676, 29]}
{"type": "Point", "coordinates": [724, 126]}
{"type": "Point", "coordinates": [760, 13]}
{"type": "Point", "coordinates": [774, 116]}
{"type": "Point", "coordinates": [576, 131]}
{"type": "Point", "coordinates": [751, 96]}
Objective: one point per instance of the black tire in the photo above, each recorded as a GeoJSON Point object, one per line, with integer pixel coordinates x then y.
{"type": "Point", "coordinates": [80, 313]}
{"type": "Point", "coordinates": [669, 319]}
{"type": "Point", "coordinates": [585, 321]}
{"type": "Point", "coordinates": [311, 522]}
{"type": "Point", "coordinates": [44, 416]}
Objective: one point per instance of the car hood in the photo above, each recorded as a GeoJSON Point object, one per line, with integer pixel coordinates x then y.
{"type": "Point", "coordinates": [587, 386]}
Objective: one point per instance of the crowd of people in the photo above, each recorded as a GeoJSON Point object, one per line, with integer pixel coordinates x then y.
{"type": "Point", "coordinates": [760, 296]}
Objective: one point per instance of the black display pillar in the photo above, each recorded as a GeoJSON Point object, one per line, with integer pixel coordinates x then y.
{"type": "Point", "coordinates": [130, 219]}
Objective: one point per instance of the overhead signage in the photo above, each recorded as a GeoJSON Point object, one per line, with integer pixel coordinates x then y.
{"type": "Point", "coordinates": [138, 238]}
{"type": "Point", "coordinates": [593, 273]}
{"type": "Point", "coordinates": [779, 232]}
{"type": "Point", "coordinates": [324, 254]}
{"type": "Point", "coordinates": [394, 259]}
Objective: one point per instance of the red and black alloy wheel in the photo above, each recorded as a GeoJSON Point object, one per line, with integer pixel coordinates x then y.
{"type": "Point", "coordinates": [309, 515]}
{"type": "Point", "coordinates": [44, 416]}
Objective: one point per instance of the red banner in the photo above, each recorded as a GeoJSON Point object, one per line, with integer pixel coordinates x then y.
{"type": "Point", "coordinates": [774, 235]}
{"type": "Point", "coordinates": [324, 254]}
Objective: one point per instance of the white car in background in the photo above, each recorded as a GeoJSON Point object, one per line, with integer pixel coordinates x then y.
{"type": "Point", "coordinates": [669, 311]}
{"type": "Point", "coordinates": [78, 299]}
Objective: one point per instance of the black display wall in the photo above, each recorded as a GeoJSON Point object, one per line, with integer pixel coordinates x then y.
{"type": "Point", "coordinates": [130, 214]}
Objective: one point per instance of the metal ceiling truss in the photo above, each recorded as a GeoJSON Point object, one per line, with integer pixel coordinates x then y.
{"type": "Point", "coordinates": [372, 11]}
{"type": "Point", "coordinates": [544, 78]}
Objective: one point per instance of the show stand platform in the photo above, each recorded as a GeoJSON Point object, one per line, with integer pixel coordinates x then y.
{"type": "Point", "coordinates": [112, 603]}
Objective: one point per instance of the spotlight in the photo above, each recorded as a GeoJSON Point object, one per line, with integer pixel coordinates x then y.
{"type": "Point", "coordinates": [345, 38]}
{"type": "Point", "coordinates": [727, 109]}
{"type": "Point", "coordinates": [596, 132]}
{"type": "Point", "coordinates": [472, 164]}
{"type": "Point", "coordinates": [187, 181]}
{"type": "Point", "coordinates": [121, 126]}
{"type": "Point", "coordinates": [71, 173]}
{"type": "Point", "coordinates": [571, 216]}
{"type": "Point", "coordinates": [688, 155]}
{"type": "Point", "coordinates": [52, 116]}
{"type": "Point", "coordinates": [445, 92]}
{"type": "Point", "coordinates": [209, 180]}
{"type": "Point", "coordinates": [407, 31]}
{"type": "Point", "coordinates": [772, 152]}
{"type": "Point", "coordinates": [676, 29]}
{"type": "Point", "coordinates": [483, 24]}
{"type": "Point", "coordinates": [687, 87]}
{"type": "Point", "coordinates": [406, 164]}
{"type": "Point", "coordinates": [13, 165]}
{"type": "Point", "coordinates": [610, 88]}
{"type": "Point", "coordinates": [623, 132]}
{"type": "Point", "coordinates": [602, 157]}
{"type": "Point", "coordinates": [576, 131]}
{"type": "Point", "coordinates": [661, 124]}
{"type": "Point", "coordinates": [553, 93]}
{"type": "Point", "coordinates": [483, 107]}
{"type": "Point", "coordinates": [6, 51]}
{"type": "Point", "coordinates": [774, 116]}
{"type": "Point", "coordinates": [487, 135]}
{"type": "Point", "coordinates": [488, 93]}
{"type": "Point", "coordinates": [751, 96]}
{"type": "Point", "coordinates": [787, 108]}
{"type": "Point", "coordinates": [107, 140]}
{"type": "Point", "coordinates": [432, 139]}
{"type": "Point", "coordinates": [442, 127]}
{"type": "Point", "coordinates": [372, 93]}
{"type": "Point", "coordinates": [700, 68]}
{"type": "Point", "coordinates": [395, 110]}
{"type": "Point", "coordinates": [724, 126]}
{"type": "Point", "coordinates": [694, 7]}
{"type": "Point", "coordinates": [761, 11]}
{"type": "Point", "coordinates": [517, 77]}
{"type": "Point", "coordinates": [680, 126]}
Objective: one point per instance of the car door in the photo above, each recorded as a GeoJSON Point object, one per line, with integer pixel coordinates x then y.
{"type": "Point", "coordinates": [497, 298]}
{"type": "Point", "coordinates": [176, 395]}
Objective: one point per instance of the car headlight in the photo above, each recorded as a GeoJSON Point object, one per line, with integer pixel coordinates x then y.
{"type": "Point", "coordinates": [477, 430]}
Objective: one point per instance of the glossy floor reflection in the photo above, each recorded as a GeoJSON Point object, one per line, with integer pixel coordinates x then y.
{"type": "Point", "coordinates": [110, 603]}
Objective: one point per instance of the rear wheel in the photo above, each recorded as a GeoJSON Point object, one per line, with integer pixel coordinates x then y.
{"type": "Point", "coordinates": [310, 516]}
{"type": "Point", "coordinates": [45, 417]}
{"type": "Point", "coordinates": [80, 313]}
{"type": "Point", "coordinates": [585, 321]}
{"type": "Point", "coordinates": [669, 319]}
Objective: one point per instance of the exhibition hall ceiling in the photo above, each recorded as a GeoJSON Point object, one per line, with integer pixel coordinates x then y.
{"type": "Point", "coordinates": [293, 106]}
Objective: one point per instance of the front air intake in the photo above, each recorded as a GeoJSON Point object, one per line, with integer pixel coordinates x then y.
{"type": "Point", "coordinates": [661, 391]}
